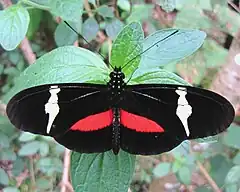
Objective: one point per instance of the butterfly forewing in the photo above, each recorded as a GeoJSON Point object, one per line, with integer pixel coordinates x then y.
{"type": "Point", "coordinates": [67, 104]}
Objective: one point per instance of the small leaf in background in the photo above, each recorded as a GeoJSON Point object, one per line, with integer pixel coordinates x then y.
{"type": "Point", "coordinates": [92, 1]}
{"type": "Point", "coordinates": [18, 166]}
{"type": "Point", "coordinates": [231, 138]}
{"type": "Point", "coordinates": [162, 169]}
{"type": "Point", "coordinates": [167, 5]}
{"type": "Point", "coordinates": [236, 159]}
{"type": "Point", "coordinates": [90, 28]}
{"type": "Point", "coordinates": [35, 20]}
{"type": "Point", "coordinates": [140, 12]}
{"type": "Point", "coordinates": [124, 5]}
{"type": "Point", "coordinates": [7, 155]}
{"type": "Point", "coordinates": [231, 188]}
{"type": "Point", "coordinates": [184, 175]}
{"type": "Point", "coordinates": [170, 45]}
{"type": "Point", "coordinates": [63, 35]}
{"type": "Point", "coordinates": [43, 184]}
{"type": "Point", "coordinates": [14, 24]}
{"type": "Point", "coordinates": [69, 10]}
{"type": "Point", "coordinates": [4, 180]}
{"type": "Point", "coordinates": [30, 148]}
{"type": "Point", "coordinates": [113, 28]}
{"type": "Point", "coordinates": [11, 189]}
{"type": "Point", "coordinates": [102, 171]}
{"type": "Point", "coordinates": [105, 11]}
{"type": "Point", "coordinates": [26, 136]}
{"type": "Point", "coordinates": [50, 165]}
{"type": "Point", "coordinates": [233, 175]}
{"type": "Point", "coordinates": [4, 140]}
{"type": "Point", "coordinates": [127, 45]}
{"type": "Point", "coordinates": [14, 56]}
{"type": "Point", "coordinates": [43, 149]}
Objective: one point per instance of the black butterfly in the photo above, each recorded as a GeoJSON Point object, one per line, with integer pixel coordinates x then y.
{"type": "Point", "coordinates": [140, 119]}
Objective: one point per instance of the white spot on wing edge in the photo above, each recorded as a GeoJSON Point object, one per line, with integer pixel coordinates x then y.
{"type": "Point", "coordinates": [184, 110]}
{"type": "Point", "coordinates": [52, 106]}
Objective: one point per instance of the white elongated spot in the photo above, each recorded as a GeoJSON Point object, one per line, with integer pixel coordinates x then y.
{"type": "Point", "coordinates": [184, 110]}
{"type": "Point", "coordinates": [52, 106]}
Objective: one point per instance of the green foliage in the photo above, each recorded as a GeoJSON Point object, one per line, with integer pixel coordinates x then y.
{"type": "Point", "coordinates": [27, 152]}
{"type": "Point", "coordinates": [102, 172]}
{"type": "Point", "coordinates": [14, 23]}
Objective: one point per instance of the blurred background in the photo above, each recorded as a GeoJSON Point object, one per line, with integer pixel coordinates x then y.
{"type": "Point", "coordinates": [34, 163]}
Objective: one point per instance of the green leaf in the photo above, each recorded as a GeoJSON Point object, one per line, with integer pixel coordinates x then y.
{"type": "Point", "coordinates": [92, 1]}
{"type": "Point", "coordinates": [44, 149]}
{"type": "Point", "coordinates": [156, 75]}
{"type": "Point", "coordinates": [184, 175]}
{"type": "Point", "coordinates": [4, 180]}
{"type": "Point", "coordinates": [90, 28]}
{"type": "Point", "coordinates": [69, 10]}
{"type": "Point", "coordinates": [11, 189]}
{"type": "Point", "coordinates": [233, 175]}
{"type": "Point", "coordinates": [102, 172]}
{"type": "Point", "coordinates": [7, 155]}
{"type": "Point", "coordinates": [30, 148]}
{"type": "Point", "coordinates": [35, 20]}
{"type": "Point", "coordinates": [18, 166]}
{"type": "Point", "coordinates": [63, 35]}
{"type": "Point", "coordinates": [231, 188]}
{"type": "Point", "coordinates": [43, 184]}
{"type": "Point", "coordinates": [113, 28]}
{"type": "Point", "coordinates": [26, 136]}
{"type": "Point", "coordinates": [124, 5]}
{"type": "Point", "coordinates": [162, 169]}
{"type": "Point", "coordinates": [14, 23]}
{"type": "Point", "coordinates": [170, 45]}
{"type": "Point", "coordinates": [4, 140]}
{"type": "Point", "coordinates": [236, 159]}
{"type": "Point", "coordinates": [105, 11]}
{"type": "Point", "coordinates": [50, 165]}
{"type": "Point", "coordinates": [140, 12]}
{"type": "Point", "coordinates": [231, 139]}
{"type": "Point", "coordinates": [126, 47]}
{"type": "Point", "coordinates": [63, 65]}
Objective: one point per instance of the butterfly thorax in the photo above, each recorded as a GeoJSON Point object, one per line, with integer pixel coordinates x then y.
{"type": "Point", "coordinates": [116, 83]}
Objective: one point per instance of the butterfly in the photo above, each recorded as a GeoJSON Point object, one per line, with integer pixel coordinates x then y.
{"type": "Point", "coordinates": [141, 119]}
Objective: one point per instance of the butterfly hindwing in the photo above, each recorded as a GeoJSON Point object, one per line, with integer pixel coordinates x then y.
{"type": "Point", "coordinates": [68, 105]}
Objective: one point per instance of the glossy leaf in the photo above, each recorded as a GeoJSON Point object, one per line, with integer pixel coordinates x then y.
{"type": "Point", "coordinates": [30, 148]}
{"type": "Point", "coordinates": [126, 48]}
{"type": "Point", "coordinates": [63, 65]}
{"type": "Point", "coordinates": [4, 140]}
{"type": "Point", "coordinates": [63, 35]}
{"type": "Point", "coordinates": [4, 180]}
{"type": "Point", "coordinates": [102, 172]}
{"type": "Point", "coordinates": [7, 155]}
{"type": "Point", "coordinates": [105, 11]}
{"type": "Point", "coordinates": [90, 28]}
{"type": "Point", "coordinates": [50, 165]}
{"type": "Point", "coordinates": [167, 5]}
{"type": "Point", "coordinates": [11, 189]}
{"type": "Point", "coordinates": [18, 166]}
{"type": "Point", "coordinates": [162, 169]}
{"type": "Point", "coordinates": [170, 45]}
{"type": "Point", "coordinates": [231, 139]}
{"type": "Point", "coordinates": [184, 175]}
{"type": "Point", "coordinates": [69, 10]}
{"type": "Point", "coordinates": [236, 159]}
{"type": "Point", "coordinates": [233, 175]}
{"type": "Point", "coordinates": [113, 28]}
{"type": "Point", "coordinates": [14, 24]}
{"type": "Point", "coordinates": [26, 136]}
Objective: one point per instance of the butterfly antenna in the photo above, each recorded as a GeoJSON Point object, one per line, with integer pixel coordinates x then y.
{"type": "Point", "coordinates": [155, 44]}
{"type": "Point", "coordinates": [86, 41]}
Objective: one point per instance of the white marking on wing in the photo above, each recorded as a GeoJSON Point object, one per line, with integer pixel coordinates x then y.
{"type": "Point", "coordinates": [184, 110]}
{"type": "Point", "coordinates": [52, 106]}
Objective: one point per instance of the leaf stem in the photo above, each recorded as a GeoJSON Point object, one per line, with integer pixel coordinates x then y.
{"type": "Point", "coordinates": [35, 5]}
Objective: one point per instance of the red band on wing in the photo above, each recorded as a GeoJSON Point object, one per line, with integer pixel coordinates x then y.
{"type": "Point", "coordinates": [94, 122]}
{"type": "Point", "coordinates": [139, 123]}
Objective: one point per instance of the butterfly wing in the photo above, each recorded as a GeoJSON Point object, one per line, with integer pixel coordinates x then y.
{"type": "Point", "coordinates": [170, 114]}
{"type": "Point", "coordinates": [77, 115]}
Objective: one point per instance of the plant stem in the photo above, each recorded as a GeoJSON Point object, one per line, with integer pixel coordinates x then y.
{"type": "Point", "coordinates": [35, 5]}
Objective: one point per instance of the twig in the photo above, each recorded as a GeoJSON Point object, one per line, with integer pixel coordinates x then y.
{"type": "Point", "coordinates": [65, 170]}
{"type": "Point", "coordinates": [24, 45]}
{"type": "Point", "coordinates": [233, 6]}
{"type": "Point", "coordinates": [32, 174]}
{"type": "Point", "coordinates": [208, 177]}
